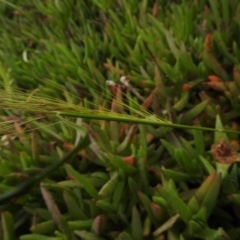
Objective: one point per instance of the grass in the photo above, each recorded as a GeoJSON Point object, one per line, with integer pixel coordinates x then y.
{"type": "Point", "coordinates": [156, 156]}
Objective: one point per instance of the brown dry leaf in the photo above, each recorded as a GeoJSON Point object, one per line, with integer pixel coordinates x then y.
{"type": "Point", "coordinates": [117, 103]}
{"type": "Point", "coordinates": [223, 152]}
{"type": "Point", "coordinates": [186, 87]}
{"type": "Point", "coordinates": [68, 146]}
{"type": "Point", "coordinates": [219, 86]}
{"type": "Point", "coordinates": [148, 101]}
{"type": "Point", "coordinates": [208, 43]}
{"type": "Point", "coordinates": [114, 105]}
{"type": "Point", "coordinates": [113, 89]}
{"type": "Point", "coordinates": [213, 78]}
{"type": "Point", "coordinates": [130, 160]}
{"type": "Point", "coordinates": [155, 10]}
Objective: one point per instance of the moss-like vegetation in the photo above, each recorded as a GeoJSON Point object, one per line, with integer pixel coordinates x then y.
{"type": "Point", "coordinates": [62, 59]}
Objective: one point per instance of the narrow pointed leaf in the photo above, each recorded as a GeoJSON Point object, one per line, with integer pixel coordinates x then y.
{"type": "Point", "coordinates": [177, 204]}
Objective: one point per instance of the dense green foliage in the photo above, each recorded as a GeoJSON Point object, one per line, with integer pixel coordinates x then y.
{"type": "Point", "coordinates": [127, 182]}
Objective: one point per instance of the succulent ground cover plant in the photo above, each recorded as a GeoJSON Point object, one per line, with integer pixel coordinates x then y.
{"type": "Point", "coordinates": [87, 153]}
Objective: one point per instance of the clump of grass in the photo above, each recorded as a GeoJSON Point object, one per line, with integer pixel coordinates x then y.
{"type": "Point", "coordinates": [171, 173]}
